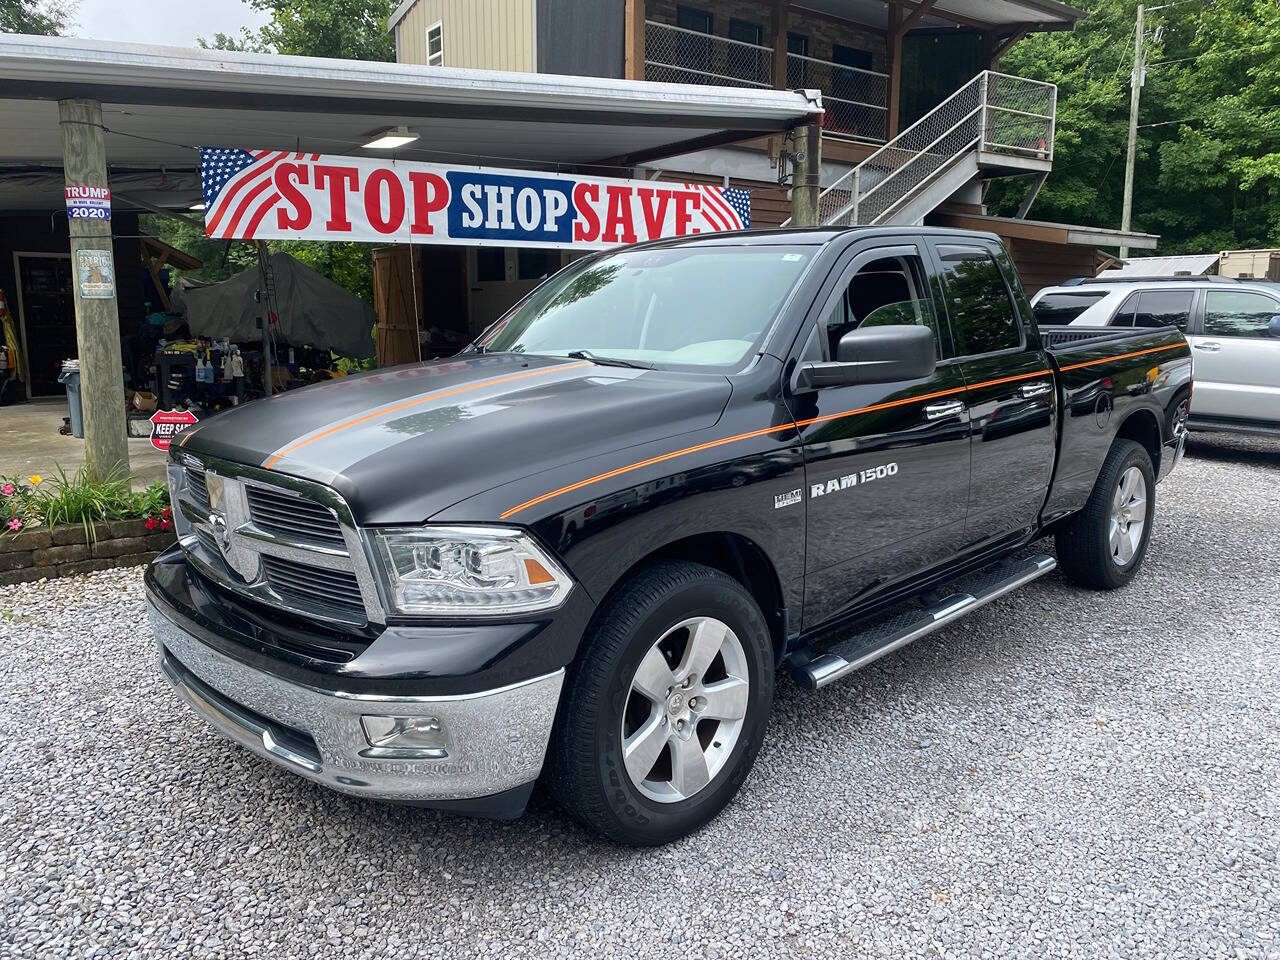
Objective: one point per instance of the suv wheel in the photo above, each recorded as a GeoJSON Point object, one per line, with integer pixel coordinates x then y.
{"type": "Point", "coordinates": [1103, 545]}
{"type": "Point", "coordinates": [666, 707]}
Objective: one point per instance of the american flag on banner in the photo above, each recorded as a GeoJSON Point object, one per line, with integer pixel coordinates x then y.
{"type": "Point", "coordinates": [727, 208]}
{"type": "Point", "coordinates": [238, 191]}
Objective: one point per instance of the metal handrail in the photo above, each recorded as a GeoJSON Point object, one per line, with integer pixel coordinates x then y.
{"type": "Point", "coordinates": [838, 66]}
{"type": "Point", "coordinates": [708, 36]}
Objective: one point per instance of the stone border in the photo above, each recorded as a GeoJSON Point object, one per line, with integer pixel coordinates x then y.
{"type": "Point", "coordinates": [64, 551]}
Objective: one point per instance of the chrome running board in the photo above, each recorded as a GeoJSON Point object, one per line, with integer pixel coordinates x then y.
{"type": "Point", "coordinates": [879, 639]}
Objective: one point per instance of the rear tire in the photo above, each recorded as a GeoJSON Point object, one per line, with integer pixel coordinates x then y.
{"type": "Point", "coordinates": [1103, 545]}
{"type": "Point", "coordinates": [665, 709]}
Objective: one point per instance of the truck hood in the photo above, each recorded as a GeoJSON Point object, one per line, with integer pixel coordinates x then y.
{"type": "Point", "coordinates": [403, 443]}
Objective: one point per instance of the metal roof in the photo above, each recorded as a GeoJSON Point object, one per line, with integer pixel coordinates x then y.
{"type": "Point", "coordinates": [159, 102]}
{"type": "Point", "coordinates": [1192, 265]}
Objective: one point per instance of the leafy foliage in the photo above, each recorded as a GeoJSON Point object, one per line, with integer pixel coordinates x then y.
{"type": "Point", "coordinates": [1207, 176]}
{"type": "Point", "coordinates": [47, 18]}
{"type": "Point", "coordinates": [80, 500]}
{"type": "Point", "coordinates": [347, 29]}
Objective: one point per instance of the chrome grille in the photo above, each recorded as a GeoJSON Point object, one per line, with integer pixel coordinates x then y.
{"type": "Point", "coordinates": [274, 539]}
{"type": "Point", "coordinates": [196, 487]}
{"type": "Point", "coordinates": [292, 517]}
{"type": "Point", "coordinates": [308, 584]}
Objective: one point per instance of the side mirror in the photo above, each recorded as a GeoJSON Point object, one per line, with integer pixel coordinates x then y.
{"type": "Point", "coordinates": [1273, 328]}
{"type": "Point", "coordinates": [885, 354]}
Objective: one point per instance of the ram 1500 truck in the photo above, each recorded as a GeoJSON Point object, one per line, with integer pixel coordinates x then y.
{"type": "Point", "coordinates": [582, 550]}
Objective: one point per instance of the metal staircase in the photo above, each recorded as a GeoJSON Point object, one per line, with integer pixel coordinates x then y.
{"type": "Point", "coordinates": [995, 125]}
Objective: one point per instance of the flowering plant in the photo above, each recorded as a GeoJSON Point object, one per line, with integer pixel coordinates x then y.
{"type": "Point", "coordinates": [32, 501]}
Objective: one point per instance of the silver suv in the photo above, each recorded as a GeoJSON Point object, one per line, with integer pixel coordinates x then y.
{"type": "Point", "coordinates": [1233, 327]}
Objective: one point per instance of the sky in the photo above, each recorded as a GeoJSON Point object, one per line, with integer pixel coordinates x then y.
{"type": "Point", "coordinates": [176, 23]}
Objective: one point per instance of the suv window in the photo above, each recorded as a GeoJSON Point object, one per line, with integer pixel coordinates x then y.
{"type": "Point", "coordinates": [885, 291]}
{"type": "Point", "coordinates": [1160, 308]}
{"type": "Point", "coordinates": [1064, 307]}
{"type": "Point", "coordinates": [1238, 314]}
{"type": "Point", "coordinates": [982, 315]}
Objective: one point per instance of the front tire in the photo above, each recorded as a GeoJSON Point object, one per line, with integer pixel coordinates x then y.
{"type": "Point", "coordinates": [666, 707]}
{"type": "Point", "coordinates": [1103, 545]}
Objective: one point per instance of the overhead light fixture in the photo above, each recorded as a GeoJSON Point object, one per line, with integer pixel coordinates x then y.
{"type": "Point", "coordinates": [196, 206]}
{"type": "Point", "coordinates": [390, 138]}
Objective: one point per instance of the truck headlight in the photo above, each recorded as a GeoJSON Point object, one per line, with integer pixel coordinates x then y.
{"type": "Point", "coordinates": [467, 571]}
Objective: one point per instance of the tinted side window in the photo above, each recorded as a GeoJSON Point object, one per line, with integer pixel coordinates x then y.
{"type": "Point", "coordinates": [1232, 314]}
{"type": "Point", "coordinates": [982, 315]}
{"type": "Point", "coordinates": [1124, 316]}
{"type": "Point", "coordinates": [1064, 307]}
{"type": "Point", "coordinates": [1163, 308]}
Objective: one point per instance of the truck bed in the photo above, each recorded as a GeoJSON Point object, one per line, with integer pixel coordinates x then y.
{"type": "Point", "coordinates": [1067, 339]}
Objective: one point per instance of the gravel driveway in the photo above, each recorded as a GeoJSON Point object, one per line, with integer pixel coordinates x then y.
{"type": "Point", "coordinates": [1063, 774]}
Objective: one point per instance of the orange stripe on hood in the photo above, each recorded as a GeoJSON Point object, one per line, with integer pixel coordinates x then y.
{"type": "Point", "coordinates": [406, 404]}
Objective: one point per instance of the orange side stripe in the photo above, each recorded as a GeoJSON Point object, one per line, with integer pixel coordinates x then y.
{"type": "Point", "coordinates": [1122, 356]}
{"type": "Point", "coordinates": [698, 448]}
{"type": "Point", "coordinates": [363, 418]}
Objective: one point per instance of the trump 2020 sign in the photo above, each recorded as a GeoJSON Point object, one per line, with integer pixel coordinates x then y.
{"type": "Point", "coordinates": [274, 195]}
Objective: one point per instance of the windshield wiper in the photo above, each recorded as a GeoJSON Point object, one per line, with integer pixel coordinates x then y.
{"type": "Point", "coordinates": [609, 361]}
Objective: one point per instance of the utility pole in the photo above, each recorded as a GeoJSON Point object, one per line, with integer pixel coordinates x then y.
{"type": "Point", "coordinates": [1135, 95]}
{"type": "Point", "coordinates": [84, 161]}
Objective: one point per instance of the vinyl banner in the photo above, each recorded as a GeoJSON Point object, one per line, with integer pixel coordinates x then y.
{"type": "Point", "coordinates": [270, 195]}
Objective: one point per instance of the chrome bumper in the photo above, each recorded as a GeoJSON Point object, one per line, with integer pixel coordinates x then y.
{"type": "Point", "coordinates": [488, 742]}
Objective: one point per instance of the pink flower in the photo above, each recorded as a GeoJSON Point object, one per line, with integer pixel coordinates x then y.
{"type": "Point", "coordinates": [7, 489]}
{"type": "Point", "coordinates": [15, 524]}
{"type": "Point", "coordinates": [151, 523]}
{"type": "Point", "coordinates": [165, 524]}
{"type": "Point", "coordinates": [166, 513]}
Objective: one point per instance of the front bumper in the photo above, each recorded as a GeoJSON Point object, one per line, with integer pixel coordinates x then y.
{"type": "Point", "coordinates": [491, 743]}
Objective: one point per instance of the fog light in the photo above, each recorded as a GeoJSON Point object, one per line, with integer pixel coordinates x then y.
{"type": "Point", "coordinates": [404, 738]}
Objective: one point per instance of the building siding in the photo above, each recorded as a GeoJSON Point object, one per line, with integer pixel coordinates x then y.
{"type": "Point", "coordinates": [478, 34]}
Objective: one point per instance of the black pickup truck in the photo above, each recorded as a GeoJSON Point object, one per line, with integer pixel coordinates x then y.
{"type": "Point", "coordinates": [582, 550]}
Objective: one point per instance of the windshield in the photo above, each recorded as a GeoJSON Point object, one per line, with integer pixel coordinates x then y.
{"type": "Point", "coordinates": [697, 306]}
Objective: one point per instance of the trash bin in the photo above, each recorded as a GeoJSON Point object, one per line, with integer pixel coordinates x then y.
{"type": "Point", "coordinates": [70, 377]}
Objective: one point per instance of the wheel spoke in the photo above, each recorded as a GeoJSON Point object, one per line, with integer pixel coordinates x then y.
{"type": "Point", "coordinates": [641, 750]}
{"type": "Point", "coordinates": [1137, 509]}
{"type": "Point", "coordinates": [1126, 548]}
{"type": "Point", "coordinates": [1114, 536]}
{"type": "Point", "coordinates": [654, 677]}
{"type": "Point", "coordinates": [704, 644]}
{"type": "Point", "coordinates": [689, 772]}
{"type": "Point", "coordinates": [726, 699]}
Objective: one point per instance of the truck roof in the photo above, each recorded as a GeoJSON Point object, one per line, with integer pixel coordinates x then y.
{"type": "Point", "coordinates": [810, 236]}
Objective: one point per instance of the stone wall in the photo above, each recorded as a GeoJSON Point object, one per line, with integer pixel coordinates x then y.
{"type": "Point", "coordinates": [47, 552]}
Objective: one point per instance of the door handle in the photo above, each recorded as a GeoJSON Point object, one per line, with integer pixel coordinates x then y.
{"type": "Point", "coordinates": [1037, 389]}
{"type": "Point", "coordinates": [1210, 346]}
{"type": "Point", "coordinates": [936, 411]}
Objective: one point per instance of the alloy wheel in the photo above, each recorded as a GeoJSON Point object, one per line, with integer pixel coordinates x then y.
{"type": "Point", "coordinates": [1128, 516]}
{"type": "Point", "coordinates": [685, 709]}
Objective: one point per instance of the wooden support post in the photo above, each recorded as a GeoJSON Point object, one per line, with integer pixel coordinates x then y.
{"type": "Point", "coordinates": [93, 281]}
{"type": "Point", "coordinates": [633, 43]}
{"type": "Point", "coordinates": [806, 178]}
{"type": "Point", "coordinates": [781, 21]}
{"type": "Point", "coordinates": [893, 40]}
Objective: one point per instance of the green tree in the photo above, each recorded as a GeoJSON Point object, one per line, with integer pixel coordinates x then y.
{"type": "Point", "coordinates": [345, 29]}
{"type": "Point", "coordinates": [49, 18]}
{"type": "Point", "coordinates": [1207, 175]}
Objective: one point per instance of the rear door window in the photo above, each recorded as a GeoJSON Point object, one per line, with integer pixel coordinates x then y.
{"type": "Point", "coordinates": [1230, 313]}
{"type": "Point", "coordinates": [1163, 308]}
{"type": "Point", "coordinates": [983, 319]}
{"type": "Point", "coordinates": [1062, 308]}
{"type": "Point", "coordinates": [1124, 316]}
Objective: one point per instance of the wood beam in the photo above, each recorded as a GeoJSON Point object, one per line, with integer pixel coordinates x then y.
{"type": "Point", "coordinates": [633, 44]}
{"type": "Point", "coordinates": [914, 16]}
{"type": "Point", "coordinates": [894, 45]}
{"type": "Point", "coordinates": [781, 20]}
{"type": "Point", "coordinates": [1003, 46]}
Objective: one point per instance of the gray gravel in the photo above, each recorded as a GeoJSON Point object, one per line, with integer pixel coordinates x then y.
{"type": "Point", "coordinates": [1064, 774]}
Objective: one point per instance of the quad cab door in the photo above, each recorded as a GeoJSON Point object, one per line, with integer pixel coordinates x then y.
{"type": "Point", "coordinates": [886, 465]}
{"type": "Point", "coordinates": [1009, 388]}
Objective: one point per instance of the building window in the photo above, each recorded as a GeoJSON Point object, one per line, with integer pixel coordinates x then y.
{"type": "Point", "coordinates": [435, 45]}
{"type": "Point", "coordinates": [691, 18]}
{"type": "Point", "coordinates": [746, 31]}
{"type": "Point", "coordinates": [850, 56]}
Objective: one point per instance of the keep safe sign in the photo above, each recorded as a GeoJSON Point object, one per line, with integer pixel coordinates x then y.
{"type": "Point", "coordinates": [274, 195]}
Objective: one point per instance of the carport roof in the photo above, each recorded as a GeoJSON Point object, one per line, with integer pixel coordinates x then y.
{"type": "Point", "coordinates": [159, 102]}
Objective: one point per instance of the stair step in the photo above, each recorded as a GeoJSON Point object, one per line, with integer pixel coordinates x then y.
{"type": "Point", "coordinates": [867, 646]}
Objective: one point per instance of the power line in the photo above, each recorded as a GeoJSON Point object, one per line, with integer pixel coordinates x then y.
{"type": "Point", "coordinates": [1206, 116]}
